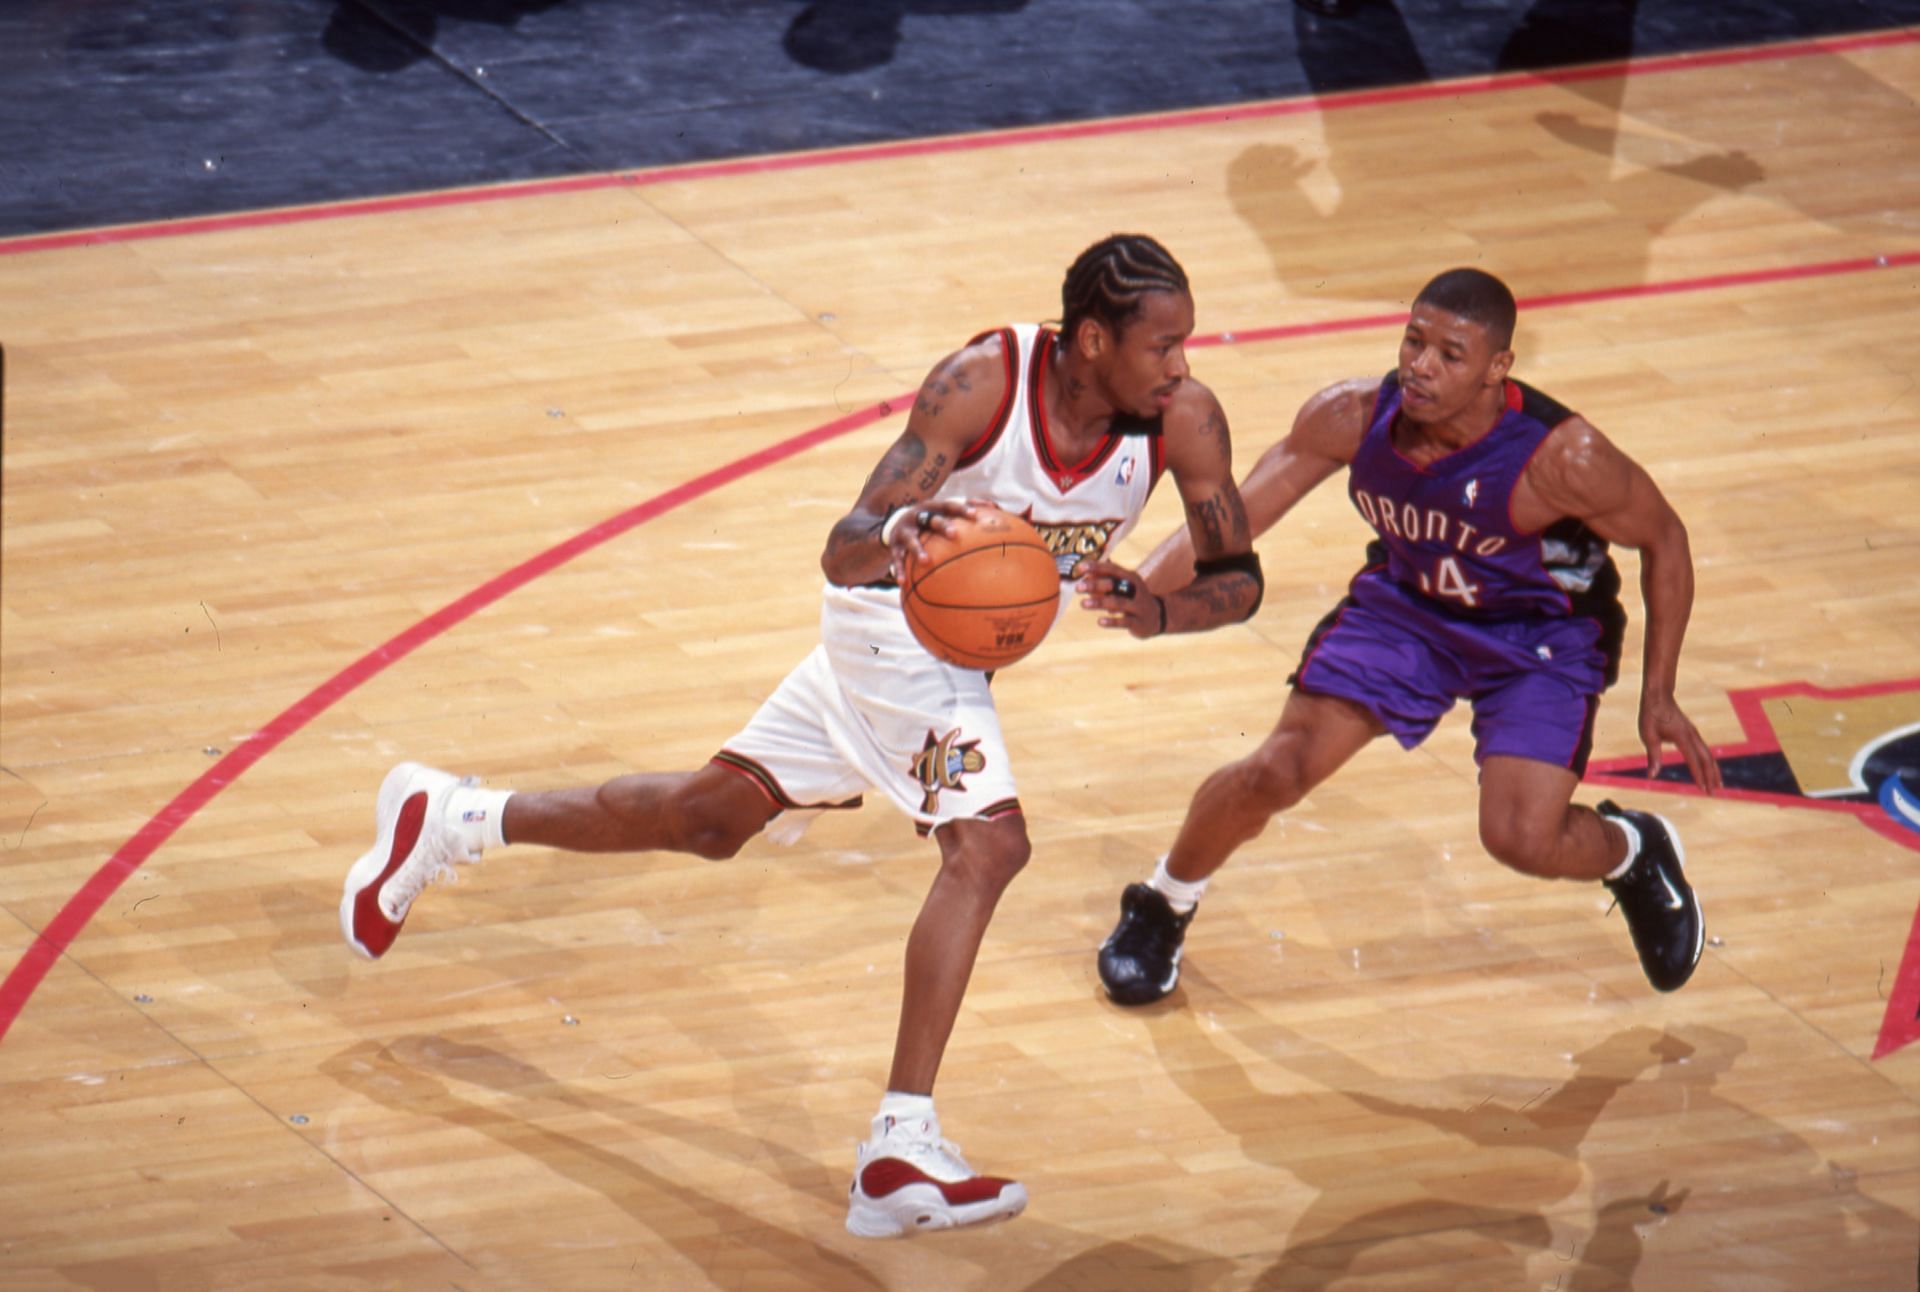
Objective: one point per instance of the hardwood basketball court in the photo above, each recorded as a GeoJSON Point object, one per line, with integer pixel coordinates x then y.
{"type": "Point", "coordinates": [286, 500]}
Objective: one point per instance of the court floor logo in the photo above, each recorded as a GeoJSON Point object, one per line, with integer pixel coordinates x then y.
{"type": "Point", "coordinates": [1854, 750]}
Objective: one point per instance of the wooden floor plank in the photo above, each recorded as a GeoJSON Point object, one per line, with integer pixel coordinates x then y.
{"type": "Point", "coordinates": [237, 462]}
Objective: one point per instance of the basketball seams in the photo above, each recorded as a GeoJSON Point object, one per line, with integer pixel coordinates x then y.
{"type": "Point", "coordinates": [983, 615]}
{"type": "Point", "coordinates": [917, 590]}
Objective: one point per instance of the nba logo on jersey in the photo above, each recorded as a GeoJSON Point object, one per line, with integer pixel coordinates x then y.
{"type": "Point", "coordinates": [1125, 474]}
{"type": "Point", "coordinates": [1472, 492]}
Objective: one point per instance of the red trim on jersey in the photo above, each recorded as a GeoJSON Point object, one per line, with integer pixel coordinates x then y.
{"type": "Point", "coordinates": [1065, 478]}
{"type": "Point", "coordinates": [1516, 401]}
{"type": "Point", "coordinates": [1009, 347]}
{"type": "Point", "coordinates": [1399, 414]}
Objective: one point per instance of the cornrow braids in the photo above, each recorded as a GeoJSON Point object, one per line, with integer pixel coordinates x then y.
{"type": "Point", "coordinates": [1111, 279]}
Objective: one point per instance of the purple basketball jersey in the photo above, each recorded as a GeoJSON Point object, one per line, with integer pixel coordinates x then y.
{"type": "Point", "coordinates": [1448, 526]}
{"type": "Point", "coordinates": [1456, 602]}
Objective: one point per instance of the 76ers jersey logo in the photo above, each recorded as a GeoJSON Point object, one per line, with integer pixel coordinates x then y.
{"type": "Point", "coordinates": [940, 764]}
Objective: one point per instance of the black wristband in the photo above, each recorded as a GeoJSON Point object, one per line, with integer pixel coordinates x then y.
{"type": "Point", "coordinates": [1247, 563]}
{"type": "Point", "coordinates": [1162, 603]}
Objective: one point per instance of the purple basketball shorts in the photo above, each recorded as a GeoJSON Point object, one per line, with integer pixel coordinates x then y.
{"type": "Point", "coordinates": [1534, 684]}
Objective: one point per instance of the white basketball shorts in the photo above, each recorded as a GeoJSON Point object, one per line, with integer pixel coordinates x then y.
{"type": "Point", "coordinates": [870, 708]}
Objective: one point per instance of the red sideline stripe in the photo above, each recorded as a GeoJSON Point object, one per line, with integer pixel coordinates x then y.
{"type": "Point", "coordinates": [83, 905]}
{"type": "Point", "coordinates": [51, 943]}
{"type": "Point", "coordinates": [969, 143]}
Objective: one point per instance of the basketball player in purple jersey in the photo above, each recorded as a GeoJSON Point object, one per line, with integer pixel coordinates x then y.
{"type": "Point", "coordinates": [1489, 580]}
{"type": "Point", "coordinates": [1071, 427]}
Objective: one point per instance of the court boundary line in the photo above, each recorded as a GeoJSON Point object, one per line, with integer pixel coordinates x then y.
{"type": "Point", "coordinates": [52, 942]}
{"type": "Point", "coordinates": [1175, 119]}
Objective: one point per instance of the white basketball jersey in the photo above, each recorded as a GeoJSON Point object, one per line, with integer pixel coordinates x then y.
{"type": "Point", "coordinates": [1081, 508]}
{"type": "Point", "coordinates": [870, 707]}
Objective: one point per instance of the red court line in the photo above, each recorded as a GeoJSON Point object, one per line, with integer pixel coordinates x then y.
{"type": "Point", "coordinates": [1498, 83]}
{"type": "Point", "coordinates": [1901, 1023]}
{"type": "Point", "coordinates": [59, 934]}
{"type": "Point", "coordinates": [50, 944]}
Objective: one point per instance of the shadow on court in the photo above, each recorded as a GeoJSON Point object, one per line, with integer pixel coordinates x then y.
{"type": "Point", "coordinates": [1294, 201]}
{"type": "Point", "coordinates": [1483, 1189]}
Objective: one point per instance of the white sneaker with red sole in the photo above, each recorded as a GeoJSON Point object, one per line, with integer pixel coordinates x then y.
{"type": "Point", "coordinates": [908, 1179]}
{"type": "Point", "coordinates": [414, 847]}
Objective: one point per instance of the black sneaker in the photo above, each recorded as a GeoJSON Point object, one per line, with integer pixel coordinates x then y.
{"type": "Point", "coordinates": [1662, 913]}
{"type": "Point", "coordinates": [1140, 960]}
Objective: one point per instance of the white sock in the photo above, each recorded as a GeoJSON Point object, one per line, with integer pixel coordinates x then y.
{"type": "Point", "coordinates": [1181, 895]}
{"type": "Point", "coordinates": [904, 1107]}
{"type": "Point", "coordinates": [478, 816]}
{"type": "Point", "coordinates": [1632, 832]}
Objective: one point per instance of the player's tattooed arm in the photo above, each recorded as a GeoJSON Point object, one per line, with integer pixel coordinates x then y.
{"type": "Point", "coordinates": [1226, 584]}
{"type": "Point", "coordinates": [1219, 523]}
{"type": "Point", "coordinates": [949, 412]}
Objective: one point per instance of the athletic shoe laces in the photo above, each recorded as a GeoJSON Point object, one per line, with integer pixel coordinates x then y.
{"type": "Point", "coordinates": [925, 1149]}
{"type": "Point", "coordinates": [434, 863]}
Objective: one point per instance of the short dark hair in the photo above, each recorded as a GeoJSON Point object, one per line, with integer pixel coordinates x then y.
{"type": "Point", "coordinates": [1476, 296]}
{"type": "Point", "coordinates": [1111, 279]}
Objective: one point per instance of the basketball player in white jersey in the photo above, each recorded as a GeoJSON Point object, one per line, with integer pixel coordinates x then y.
{"type": "Point", "coordinates": [1070, 429]}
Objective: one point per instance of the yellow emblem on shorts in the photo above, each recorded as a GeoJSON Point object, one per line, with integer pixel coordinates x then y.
{"type": "Point", "coordinates": [940, 764]}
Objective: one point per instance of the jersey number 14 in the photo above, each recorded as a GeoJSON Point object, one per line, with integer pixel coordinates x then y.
{"type": "Point", "coordinates": [1449, 580]}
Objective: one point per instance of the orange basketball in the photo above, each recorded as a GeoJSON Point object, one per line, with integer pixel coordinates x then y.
{"type": "Point", "coordinates": [984, 597]}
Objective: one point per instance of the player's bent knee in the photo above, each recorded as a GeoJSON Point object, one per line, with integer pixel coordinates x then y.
{"type": "Point", "coordinates": [713, 831]}
{"type": "Point", "coordinates": [990, 854]}
{"type": "Point", "coordinates": [711, 814]}
{"type": "Point", "coordinates": [1271, 779]}
{"type": "Point", "coordinates": [1517, 846]}
{"type": "Point", "coordinates": [717, 840]}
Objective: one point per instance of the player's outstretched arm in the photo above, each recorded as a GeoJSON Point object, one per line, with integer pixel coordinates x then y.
{"type": "Point", "coordinates": [1199, 455]}
{"type": "Point", "coordinates": [956, 402]}
{"type": "Point", "coordinates": [1326, 434]}
{"type": "Point", "coordinates": [1580, 473]}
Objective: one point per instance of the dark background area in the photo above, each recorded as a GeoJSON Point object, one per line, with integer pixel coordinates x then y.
{"type": "Point", "coordinates": [131, 110]}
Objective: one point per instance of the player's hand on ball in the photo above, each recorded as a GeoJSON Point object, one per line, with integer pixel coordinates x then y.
{"type": "Point", "coordinates": [986, 591]}
{"type": "Point", "coordinates": [1122, 598]}
{"type": "Point", "coordinates": [937, 516]}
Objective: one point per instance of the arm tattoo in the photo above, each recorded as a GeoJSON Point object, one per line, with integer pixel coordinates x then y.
{"type": "Point", "coordinates": [1223, 599]}
{"type": "Point", "coordinates": [932, 476]}
{"type": "Point", "coordinates": [1219, 524]}
{"type": "Point", "coordinates": [1209, 520]}
{"type": "Point", "coordinates": [932, 391]}
{"type": "Point", "coordinates": [902, 476]}
{"type": "Point", "coordinates": [1237, 526]}
{"type": "Point", "coordinates": [904, 459]}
